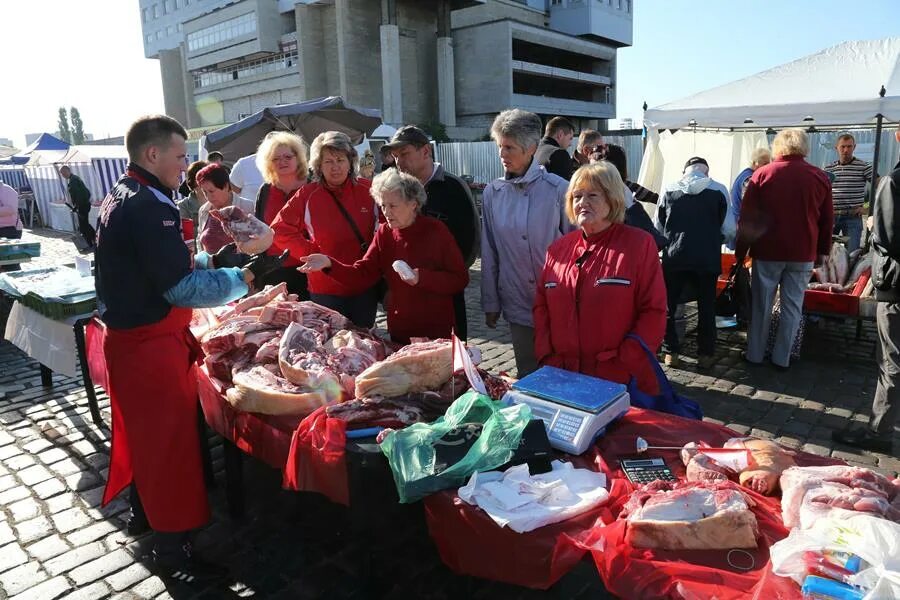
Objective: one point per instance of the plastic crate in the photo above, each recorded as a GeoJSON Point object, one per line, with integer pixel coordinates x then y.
{"type": "Point", "coordinates": [63, 308]}
{"type": "Point", "coordinates": [822, 301]}
{"type": "Point", "coordinates": [13, 249]}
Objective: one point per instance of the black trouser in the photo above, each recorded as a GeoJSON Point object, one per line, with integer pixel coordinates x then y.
{"type": "Point", "coordinates": [360, 309]}
{"type": "Point", "coordinates": [85, 228]}
{"type": "Point", "coordinates": [459, 310]}
{"type": "Point", "coordinates": [887, 392]}
{"type": "Point", "coordinates": [295, 280]}
{"type": "Point", "coordinates": [168, 546]}
{"type": "Point", "coordinates": [704, 286]}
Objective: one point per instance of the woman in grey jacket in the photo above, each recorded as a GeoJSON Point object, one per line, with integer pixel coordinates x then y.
{"type": "Point", "coordinates": [523, 213]}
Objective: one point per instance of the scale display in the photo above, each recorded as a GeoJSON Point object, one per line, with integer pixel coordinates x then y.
{"type": "Point", "coordinates": [575, 408]}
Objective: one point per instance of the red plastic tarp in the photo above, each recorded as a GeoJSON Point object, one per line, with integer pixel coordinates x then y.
{"type": "Point", "coordinates": [470, 543]}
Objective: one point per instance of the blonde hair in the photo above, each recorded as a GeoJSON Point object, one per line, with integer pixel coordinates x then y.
{"type": "Point", "coordinates": [791, 142]}
{"type": "Point", "coordinates": [758, 155]}
{"type": "Point", "coordinates": [270, 145]}
{"type": "Point", "coordinates": [336, 142]}
{"type": "Point", "coordinates": [599, 176]}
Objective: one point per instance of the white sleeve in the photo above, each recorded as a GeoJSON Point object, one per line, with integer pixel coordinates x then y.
{"type": "Point", "coordinates": [237, 174]}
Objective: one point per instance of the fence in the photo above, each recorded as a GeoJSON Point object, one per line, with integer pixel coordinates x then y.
{"type": "Point", "coordinates": [480, 160]}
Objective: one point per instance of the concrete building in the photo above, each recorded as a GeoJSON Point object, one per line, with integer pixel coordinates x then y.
{"type": "Point", "coordinates": [456, 63]}
{"type": "Point", "coordinates": [5, 141]}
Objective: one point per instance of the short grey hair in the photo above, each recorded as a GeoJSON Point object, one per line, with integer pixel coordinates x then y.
{"type": "Point", "coordinates": [759, 155]}
{"type": "Point", "coordinates": [522, 126]}
{"type": "Point", "coordinates": [336, 142]}
{"type": "Point", "coordinates": [394, 180]}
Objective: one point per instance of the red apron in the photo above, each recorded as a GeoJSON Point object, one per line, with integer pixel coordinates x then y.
{"type": "Point", "coordinates": [153, 395]}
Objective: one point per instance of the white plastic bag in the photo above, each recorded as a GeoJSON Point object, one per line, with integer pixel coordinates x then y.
{"type": "Point", "coordinates": [876, 541]}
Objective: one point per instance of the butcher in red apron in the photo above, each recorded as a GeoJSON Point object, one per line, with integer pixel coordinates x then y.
{"type": "Point", "coordinates": [146, 285]}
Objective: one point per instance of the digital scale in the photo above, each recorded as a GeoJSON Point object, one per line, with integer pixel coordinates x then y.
{"type": "Point", "coordinates": [575, 408]}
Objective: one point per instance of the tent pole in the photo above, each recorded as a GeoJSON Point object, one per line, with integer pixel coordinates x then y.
{"type": "Point", "coordinates": [878, 124]}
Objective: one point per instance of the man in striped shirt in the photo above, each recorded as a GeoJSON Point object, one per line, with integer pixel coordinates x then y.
{"type": "Point", "coordinates": [849, 190]}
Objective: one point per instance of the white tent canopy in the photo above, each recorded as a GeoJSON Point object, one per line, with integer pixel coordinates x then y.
{"type": "Point", "coordinates": [837, 86]}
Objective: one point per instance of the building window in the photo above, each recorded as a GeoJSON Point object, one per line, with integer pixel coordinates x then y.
{"type": "Point", "coordinates": [556, 2]}
{"type": "Point", "coordinates": [222, 32]}
{"type": "Point", "coordinates": [170, 30]}
{"type": "Point", "coordinates": [145, 15]}
{"type": "Point", "coordinates": [279, 62]}
{"type": "Point", "coordinates": [159, 34]}
{"type": "Point", "coordinates": [149, 37]}
{"type": "Point", "coordinates": [156, 11]}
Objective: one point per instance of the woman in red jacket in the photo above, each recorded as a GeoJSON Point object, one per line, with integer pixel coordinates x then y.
{"type": "Point", "coordinates": [599, 284]}
{"type": "Point", "coordinates": [421, 289]}
{"type": "Point", "coordinates": [334, 215]}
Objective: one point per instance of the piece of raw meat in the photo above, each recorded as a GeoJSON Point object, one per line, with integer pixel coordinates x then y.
{"type": "Point", "coordinates": [335, 320]}
{"type": "Point", "coordinates": [692, 516]}
{"type": "Point", "coordinates": [353, 339]}
{"type": "Point", "coordinates": [800, 485]}
{"type": "Point", "coordinates": [231, 334]}
{"type": "Point", "coordinates": [298, 353]}
{"type": "Point", "coordinates": [414, 368]}
{"type": "Point", "coordinates": [281, 313]}
{"type": "Point", "coordinates": [376, 412]}
{"type": "Point", "coordinates": [768, 461]}
{"type": "Point", "coordinates": [251, 235]}
{"type": "Point", "coordinates": [261, 298]}
{"type": "Point", "coordinates": [268, 352]}
{"type": "Point", "coordinates": [259, 390]}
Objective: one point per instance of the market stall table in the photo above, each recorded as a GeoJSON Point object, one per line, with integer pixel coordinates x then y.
{"type": "Point", "coordinates": [55, 344]}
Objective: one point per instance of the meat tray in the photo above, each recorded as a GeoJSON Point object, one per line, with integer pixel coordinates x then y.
{"type": "Point", "coordinates": [61, 308]}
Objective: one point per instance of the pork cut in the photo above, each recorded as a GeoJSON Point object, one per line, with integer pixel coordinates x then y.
{"type": "Point", "coordinates": [300, 357]}
{"type": "Point", "coordinates": [257, 389]}
{"type": "Point", "coordinates": [810, 493]}
{"type": "Point", "coordinates": [377, 412]}
{"type": "Point", "coordinates": [231, 334]}
{"type": "Point", "coordinates": [268, 352]}
{"type": "Point", "coordinates": [261, 298]}
{"type": "Point", "coordinates": [768, 461]}
{"type": "Point", "coordinates": [251, 235]}
{"type": "Point", "coordinates": [414, 368]}
{"type": "Point", "coordinates": [691, 516]}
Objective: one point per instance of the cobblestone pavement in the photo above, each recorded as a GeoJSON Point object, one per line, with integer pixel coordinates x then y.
{"type": "Point", "coordinates": [55, 540]}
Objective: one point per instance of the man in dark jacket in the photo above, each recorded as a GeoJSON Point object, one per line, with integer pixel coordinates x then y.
{"type": "Point", "coordinates": [886, 278]}
{"type": "Point", "coordinates": [81, 204]}
{"type": "Point", "coordinates": [552, 153]}
{"type": "Point", "coordinates": [449, 200]}
{"type": "Point", "coordinates": [691, 215]}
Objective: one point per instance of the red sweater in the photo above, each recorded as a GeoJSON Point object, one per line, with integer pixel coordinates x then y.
{"type": "Point", "coordinates": [582, 313]}
{"type": "Point", "coordinates": [421, 310]}
{"type": "Point", "coordinates": [312, 223]}
{"type": "Point", "coordinates": [786, 214]}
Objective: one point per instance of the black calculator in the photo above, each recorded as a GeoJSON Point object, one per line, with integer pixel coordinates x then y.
{"type": "Point", "coordinates": [644, 470]}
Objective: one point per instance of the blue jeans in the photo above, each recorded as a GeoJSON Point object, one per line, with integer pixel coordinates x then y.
{"type": "Point", "coordinates": [850, 226]}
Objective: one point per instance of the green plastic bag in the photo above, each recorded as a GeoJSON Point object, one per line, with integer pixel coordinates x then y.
{"type": "Point", "coordinates": [475, 434]}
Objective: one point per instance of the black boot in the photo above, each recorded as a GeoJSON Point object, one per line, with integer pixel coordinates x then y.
{"type": "Point", "coordinates": [137, 520]}
{"type": "Point", "coordinates": [174, 560]}
{"type": "Point", "coordinates": [866, 439]}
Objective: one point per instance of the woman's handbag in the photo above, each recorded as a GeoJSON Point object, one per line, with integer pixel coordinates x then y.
{"type": "Point", "coordinates": [668, 401]}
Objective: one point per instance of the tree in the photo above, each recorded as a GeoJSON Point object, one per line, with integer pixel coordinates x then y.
{"type": "Point", "coordinates": [65, 132]}
{"type": "Point", "coordinates": [77, 126]}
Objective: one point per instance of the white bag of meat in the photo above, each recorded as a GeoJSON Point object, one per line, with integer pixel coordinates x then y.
{"type": "Point", "coordinates": [251, 235]}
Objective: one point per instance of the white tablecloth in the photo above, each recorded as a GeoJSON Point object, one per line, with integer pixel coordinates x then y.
{"type": "Point", "coordinates": [61, 218]}
{"type": "Point", "coordinates": [52, 343]}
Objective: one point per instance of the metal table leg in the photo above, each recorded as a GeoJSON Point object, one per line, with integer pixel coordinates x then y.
{"type": "Point", "coordinates": [234, 479]}
{"type": "Point", "coordinates": [86, 373]}
{"type": "Point", "coordinates": [46, 376]}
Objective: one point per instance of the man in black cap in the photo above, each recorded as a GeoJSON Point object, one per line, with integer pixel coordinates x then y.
{"type": "Point", "coordinates": [449, 200]}
{"type": "Point", "coordinates": [693, 215]}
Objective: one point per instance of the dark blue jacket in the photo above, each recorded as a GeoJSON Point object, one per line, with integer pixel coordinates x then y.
{"type": "Point", "coordinates": [693, 225]}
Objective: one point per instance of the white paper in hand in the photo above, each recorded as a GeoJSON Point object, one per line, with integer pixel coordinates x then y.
{"type": "Point", "coordinates": [462, 360]}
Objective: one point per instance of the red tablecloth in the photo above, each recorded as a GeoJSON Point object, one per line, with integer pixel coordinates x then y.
{"type": "Point", "coordinates": [470, 543]}
{"type": "Point", "coordinates": [94, 334]}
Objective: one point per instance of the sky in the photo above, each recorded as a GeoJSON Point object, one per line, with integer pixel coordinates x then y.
{"type": "Point", "coordinates": [682, 47]}
{"type": "Point", "coordinates": [89, 53]}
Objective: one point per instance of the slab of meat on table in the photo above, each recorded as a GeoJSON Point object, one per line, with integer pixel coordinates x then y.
{"type": "Point", "coordinates": [301, 359]}
{"type": "Point", "coordinates": [768, 461]}
{"type": "Point", "coordinates": [232, 334]}
{"type": "Point", "coordinates": [259, 299]}
{"type": "Point", "coordinates": [258, 389]}
{"type": "Point", "coordinates": [414, 368]}
{"type": "Point", "coordinates": [810, 493]}
{"type": "Point", "coordinates": [691, 516]}
{"type": "Point", "coordinates": [251, 235]}
{"type": "Point", "coordinates": [377, 412]}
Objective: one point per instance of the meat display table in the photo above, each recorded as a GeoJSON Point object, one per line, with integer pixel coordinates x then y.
{"type": "Point", "coordinates": [55, 345]}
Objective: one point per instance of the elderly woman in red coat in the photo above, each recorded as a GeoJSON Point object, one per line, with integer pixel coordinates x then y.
{"type": "Point", "coordinates": [599, 284]}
